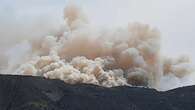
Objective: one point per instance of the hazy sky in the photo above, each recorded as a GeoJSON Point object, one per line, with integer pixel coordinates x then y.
{"type": "Point", "coordinates": [174, 18]}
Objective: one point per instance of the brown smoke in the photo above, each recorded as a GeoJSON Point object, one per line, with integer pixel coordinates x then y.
{"type": "Point", "coordinates": [123, 56]}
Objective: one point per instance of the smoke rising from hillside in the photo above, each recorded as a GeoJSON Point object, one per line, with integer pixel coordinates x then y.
{"type": "Point", "coordinates": [80, 53]}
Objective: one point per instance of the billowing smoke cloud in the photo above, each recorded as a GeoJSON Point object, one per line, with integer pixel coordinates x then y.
{"type": "Point", "coordinates": [80, 53]}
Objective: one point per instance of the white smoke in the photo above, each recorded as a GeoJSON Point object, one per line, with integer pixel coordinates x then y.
{"type": "Point", "coordinates": [78, 53]}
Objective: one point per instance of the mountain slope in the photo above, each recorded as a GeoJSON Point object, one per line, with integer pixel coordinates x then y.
{"type": "Point", "coordinates": [36, 93]}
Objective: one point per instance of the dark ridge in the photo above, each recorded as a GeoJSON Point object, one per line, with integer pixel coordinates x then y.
{"type": "Point", "coordinates": [36, 93]}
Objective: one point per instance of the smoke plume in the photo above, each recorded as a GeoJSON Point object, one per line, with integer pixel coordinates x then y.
{"type": "Point", "coordinates": [80, 53]}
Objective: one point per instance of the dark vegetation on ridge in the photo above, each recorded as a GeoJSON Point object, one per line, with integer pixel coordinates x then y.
{"type": "Point", "coordinates": [36, 93]}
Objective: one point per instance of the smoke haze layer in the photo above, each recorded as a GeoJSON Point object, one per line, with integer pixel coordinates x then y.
{"type": "Point", "coordinates": [80, 53]}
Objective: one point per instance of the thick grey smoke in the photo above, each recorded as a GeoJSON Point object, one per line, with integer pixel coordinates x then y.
{"type": "Point", "coordinates": [80, 53]}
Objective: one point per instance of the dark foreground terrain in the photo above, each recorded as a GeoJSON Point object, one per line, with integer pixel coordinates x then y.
{"type": "Point", "coordinates": [35, 93]}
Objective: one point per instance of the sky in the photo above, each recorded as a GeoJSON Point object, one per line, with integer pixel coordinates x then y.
{"type": "Point", "coordinates": [174, 18]}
